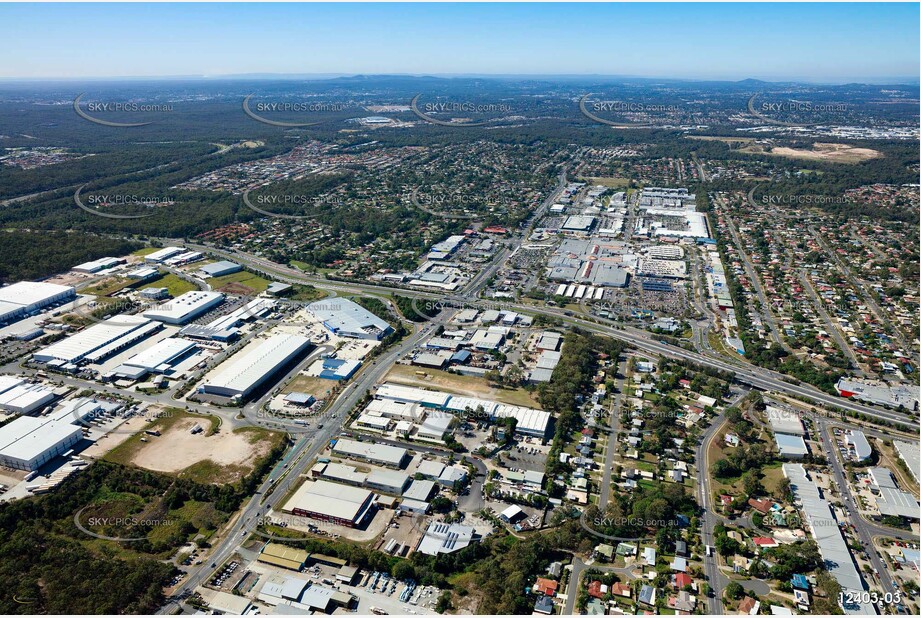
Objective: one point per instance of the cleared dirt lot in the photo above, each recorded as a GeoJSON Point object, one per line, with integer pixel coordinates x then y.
{"type": "Point", "coordinates": [831, 153]}
{"type": "Point", "coordinates": [179, 448]}
{"type": "Point", "coordinates": [210, 456]}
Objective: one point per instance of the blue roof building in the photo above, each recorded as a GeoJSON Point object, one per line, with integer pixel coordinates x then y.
{"type": "Point", "coordinates": [461, 357]}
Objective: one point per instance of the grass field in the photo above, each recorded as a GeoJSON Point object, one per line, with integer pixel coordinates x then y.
{"type": "Point", "coordinates": [716, 342]}
{"type": "Point", "coordinates": [146, 251]}
{"type": "Point", "coordinates": [171, 282]}
{"type": "Point", "coordinates": [306, 293]}
{"type": "Point", "coordinates": [773, 474]}
{"type": "Point", "coordinates": [318, 387]}
{"type": "Point", "coordinates": [254, 282]}
{"type": "Point", "coordinates": [107, 286]}
{"type": "Point", "coordinates": [307, 268]}
{"type": "Point", "coordinates": [461, 385]}
{"type": "Point", "coordinates": [727, 486]}
{"type": "Point", "coordinates": [610, 181]}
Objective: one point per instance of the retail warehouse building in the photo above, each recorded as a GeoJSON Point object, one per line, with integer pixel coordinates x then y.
{"type": "Point", "coordinates": [340, 504]}
{"type": "Point", "coordinates": [97, 342]}
{"type": "Point", "coordinates": [345, 318]}
{"type": "Point", "coordinates": [27, 297]}
{"type": "Point", "coordinates": [248, 369]}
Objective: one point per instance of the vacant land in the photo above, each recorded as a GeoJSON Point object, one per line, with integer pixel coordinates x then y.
{"type": "Point", "coordinates": [306, 293]}
{"type": "Point", "coordinates": [820, 151]}
{"type": "Point", "coordinates": [773, 475]}
{"type": "Point", "coordinates": [209, 456]}
{"type": "Point", "coordinates": [318, 387]}
{"type": "Point", "coordinates": [146, 251]}
{"type": "Point", "coordinates": [829, 153]}
{"type": "Point", "coordinates": [613, 182]}
{"type": "Point", "coordinates": [461, 385]}
{"type": "Point", "coordinates": [107, 286]}
{"type": "Point", "coordinates": [237, 283]}
{"type": "Point", "coordinates": [171, 282]}
{"type": "Point", "coordinates": [719, 138]}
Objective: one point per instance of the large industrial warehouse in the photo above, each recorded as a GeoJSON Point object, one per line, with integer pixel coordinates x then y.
{"type": "Point", "coordinates": [20, 299]}
{"type": "Point", "coordinates": [347, 319]}
{"type": "Point", "coordinates": [531, 422]}
{"type": "Point", "coordinates": [392, 456]}
{"type": "Point", "coordinates": [339, 504]}
{"type": "Point", "coordinates": [244, 372]}
{"type": "Point", "coordinates": [162, 254]}
{"type": "Point", "coordinates": [20, 397]}
{"type": "Point", "coordinates": [159, 358]}
{"type": "Point", "coordinates": [219, 269]}
{"type": "Point", "coordinates": [28, 443]}
{"type": "Point", "coordinates": [823, 527]}
{"type": "Point", "coordinates": [185, 307]}
{"type": "Point", "coordinates": [98, 341]}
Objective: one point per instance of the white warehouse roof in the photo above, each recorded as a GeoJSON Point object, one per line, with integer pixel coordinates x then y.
{"type": "Point", "coordinates": [410, 394]}
{"type": "Point", "coordinates": [162, 254]}
{"type": "Point", "coordinates": [824, 528]}
{"type": "Point", "coordinates": [530, 421]}
{"type": "Point", "coordinates": [8, 382]}
{"type": "Point", "coordinates": [185, 307]}
{"type": "Point", "coordinates": [224, 267]}
{"type": "Point", "coordinates": [119, 329]}
{"type": "Point", "coordinates": [330, 499]}
{"type": "Point", "coordinates": [784, 421]}
{"type": "Point", "coordinates": [382, 453]}
{"type": "Point", "coordinates": [32, 295]}
{"type": "Point", "coordinates": [28, 442]}
{"type": "Point", "coordinates": [97, 265]}
{"type": "Point", "coordinates": [911, 455]}
{"type": "Point", "coordinates": [349, 319]}
{"type": "Point", "coordinates": [246, 370]}
{"type": "Point", "coordinates": [161, 353]}
{"type": "Point", "coordinates": [25, 398]}
{"type": "Point", "coordinates": [442, 538]}
{"type": "Point", "coordinates": [791, 446]}
{"type": "Point", "coordinates": [858, 440]}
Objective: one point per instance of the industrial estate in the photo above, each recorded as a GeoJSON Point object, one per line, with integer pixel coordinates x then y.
{"type": "Point", "coordinates": [514, 356]}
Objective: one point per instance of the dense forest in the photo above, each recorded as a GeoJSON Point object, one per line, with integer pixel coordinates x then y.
{"type": "Point", "coordinates": [49, 566]}
{"type": "Point", "coordinates": [36, 255]}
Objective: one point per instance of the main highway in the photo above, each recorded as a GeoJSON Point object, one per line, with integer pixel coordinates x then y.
{"type": "Point", "coordinates": [758, 377]}
{"type": "Point", "coordinates": [309, 443]}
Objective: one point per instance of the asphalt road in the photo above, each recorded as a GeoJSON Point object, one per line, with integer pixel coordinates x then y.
{"type": "Point", "coordinates": [708, 518]}
{"type": "Point", "coordinates": [765, 311]}
{"type": "Point", "coordinates": [865, 531]}
{"type": "Point", "coordinates": [308, 446]}
{"type": "Point", "coordinates": [754, 376]}
{"type": "Point", "coordinates": [613, 428]}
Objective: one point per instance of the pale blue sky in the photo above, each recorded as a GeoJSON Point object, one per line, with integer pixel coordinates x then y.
{"type": "Point", "coordinates": [818, 42]}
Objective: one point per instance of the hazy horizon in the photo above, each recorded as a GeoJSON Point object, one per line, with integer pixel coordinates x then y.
{"type": "Point", "coordinates": [807, 42]}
